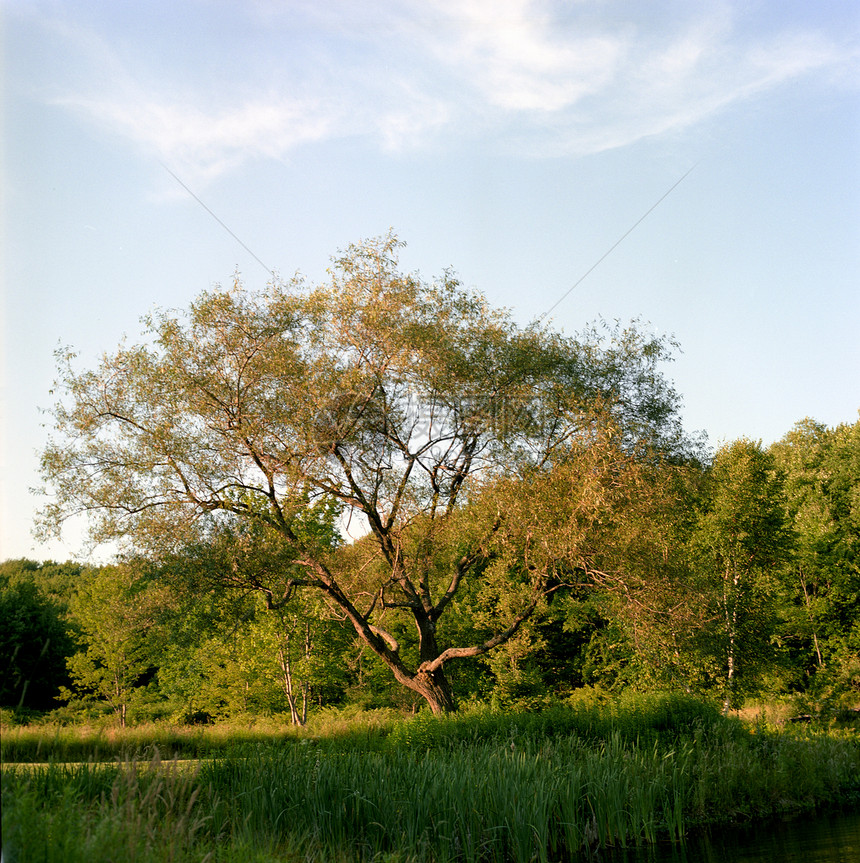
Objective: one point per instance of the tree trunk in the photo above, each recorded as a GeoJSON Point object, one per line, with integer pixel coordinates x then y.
{"type": "Point", "coordinates": [435, 689]}
{"type": "Point", "coordinates": [730, 602]}
{"type": "Point", "coordinates": [306, 686]}
{"type": "Point", "coordinates": [287, 672]}
{"type": "Point", "coordinates": [120, 700]}
{"type": "Point", "coordinates": [811, 620]}
{"type": "Point", "coordinates": [306, 697]}
{"type": "Point", "coordinates": [432, 685]}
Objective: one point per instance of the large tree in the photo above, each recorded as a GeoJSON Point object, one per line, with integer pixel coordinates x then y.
{"type": "Point", "coordinates": [403, 403]}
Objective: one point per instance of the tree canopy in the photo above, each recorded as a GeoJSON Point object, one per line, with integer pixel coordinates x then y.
{"type": "Point", "coordinates": [822, 467]}
{"type": "Point", "coordinates": [35, 636]}
{"type": "Point", "coordinates": [414, 413]}
{"type": "Point", "coordinates": [742, 540]}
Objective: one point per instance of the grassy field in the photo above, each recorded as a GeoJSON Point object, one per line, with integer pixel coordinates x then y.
{"type": "Point", "coordinates": [483, 786]}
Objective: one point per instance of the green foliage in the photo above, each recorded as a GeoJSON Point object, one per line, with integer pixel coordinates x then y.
{"type": "Point", "coordinates": [246, 642]}
{"type": "Point", "coordinates": [526, 499]}
{"type": "Point", "coordinates": [116, 609]}
{"type": "Point", "coordinates": [822, 468]}
{"type": "Point", "coordinates": [223, 627]}
{"type": "Point", "coordinates": [740, 543]}
{"type": "Point", "coordinates": [269, 661]}
{"type": "Point", "coordinates": [57, 581]}
{"type": "Point", "coordinates": [35, 639]}
{"type": "Point", "coordinates": [483, 786]}
{"type": "Point", "coordinates": [392, 400]}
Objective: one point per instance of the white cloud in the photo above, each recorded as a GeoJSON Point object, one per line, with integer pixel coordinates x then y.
{"type": "Point", "coordinates": [568, 88]}
{"type": "Point", "coordinates": [506, 72]}
{"type": "Point", "coordinates": [510, 52]}
{"type": "Point", "coordinates": [206, 143]}
{"type": "Point", "coordinates": [415, 118]}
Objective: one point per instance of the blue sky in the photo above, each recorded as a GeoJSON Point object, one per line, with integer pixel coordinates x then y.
{"type": "Point", "coordinates": [514, 141]}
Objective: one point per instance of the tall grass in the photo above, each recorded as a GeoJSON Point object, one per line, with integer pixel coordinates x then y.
{"type": "Point", "coordinates": [633, 716]}
{"type": "Point", "coordinates": [483, 787]}
{"type": "Point", "coordinates": [48, 742]}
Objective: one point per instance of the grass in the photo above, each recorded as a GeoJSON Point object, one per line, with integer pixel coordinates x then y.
{"type": "Point", "coordinates": [634, 716]}
{"type": "Point", "coordinates": [38, 743]}
{"type": "Point", "coordinates": [480, 787]}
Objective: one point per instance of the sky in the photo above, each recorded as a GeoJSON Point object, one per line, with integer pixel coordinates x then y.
{"type": "Point", "coordinates": [151, 150]}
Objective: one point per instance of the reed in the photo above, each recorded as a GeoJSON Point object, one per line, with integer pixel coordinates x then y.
{"type": "Point", "coordinates": [633, 716]}
{"type": "Point", "coordinates": [483, 787]}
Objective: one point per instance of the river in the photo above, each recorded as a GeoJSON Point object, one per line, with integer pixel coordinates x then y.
{"type": "Point", "coordinates": [833, 838]}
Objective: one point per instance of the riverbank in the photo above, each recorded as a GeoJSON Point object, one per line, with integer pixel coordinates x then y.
{"type": "Point", "coordinates": [480, 787]}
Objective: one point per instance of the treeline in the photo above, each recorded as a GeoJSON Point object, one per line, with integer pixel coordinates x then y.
{"type": "Point", "coordinates": [382, 489]}
{"type": "Point", "coordinates": [755, 593]}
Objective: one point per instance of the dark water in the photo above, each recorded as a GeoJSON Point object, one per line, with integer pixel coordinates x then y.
{"type": "Point", "coordinates": [815, 839]}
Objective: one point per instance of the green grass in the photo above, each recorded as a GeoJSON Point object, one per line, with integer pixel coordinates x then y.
{"type": "Point", "coordinates": [39, 743]}
{"type": "Point", "coordinates": [480, 787]}
{"type": "Point", "coordinates": [634, 716]}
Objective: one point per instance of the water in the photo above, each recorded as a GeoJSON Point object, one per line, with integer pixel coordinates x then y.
{"type": "Point", "coordinates": [816, 839]}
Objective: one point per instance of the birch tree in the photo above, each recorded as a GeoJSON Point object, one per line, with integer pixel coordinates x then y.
{"type": "Point", "coordinates": [742, 540]}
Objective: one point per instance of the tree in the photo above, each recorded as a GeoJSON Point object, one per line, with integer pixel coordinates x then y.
{"type": "Point", "coordinates": [35, 639]}
{"type": "Point", "coordinates": [233, 657]}
{"type": "Point", "coordinates": [301, 647]}
{"type": "Point", "coordinates": [399, 401]}
{"type": "Point", "coordinates": [822, 469]}
{"type": "Point", "coordinates": [117, 614]}
{"type": "Point", "coordinates": [742, 539]}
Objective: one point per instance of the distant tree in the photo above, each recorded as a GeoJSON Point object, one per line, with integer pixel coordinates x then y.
{"type": "Point", "coordinates": [57, 581]}
{"type": "Point", "coordinates": [742, 541]}
{"type": "Point", "coordinates": [299, 650]}
{"type": "Point", "coordinates": [35, 640]}
{"type": "Point", "coordinates": [399, 401]}
{"type": "Point", "coordinates": [225, 657]}
{"type": "Point", "coordinates": [117, 614]}
{"type": "Point", "coordinates": [822, 469]}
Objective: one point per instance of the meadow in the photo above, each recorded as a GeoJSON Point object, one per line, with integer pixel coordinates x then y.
{"type": "Point", "coordinates": [375, 786]}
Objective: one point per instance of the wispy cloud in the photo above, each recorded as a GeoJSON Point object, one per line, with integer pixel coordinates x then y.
{"type": "Point", "coordinates": [582, 89]}
{"type": "Point", "coordinates": [208, 143]}
{"type": "Point", "coordinates": [511, 52]}
{"type": "Point", "coordinates": [502, 73]}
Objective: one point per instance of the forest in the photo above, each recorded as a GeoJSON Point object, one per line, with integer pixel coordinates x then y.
{"type": "Point", "coordinates": [762, 603]}
{"type": "Point", "coordinates": [380, 492]}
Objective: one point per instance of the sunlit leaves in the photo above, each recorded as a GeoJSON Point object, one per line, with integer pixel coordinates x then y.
{"type": "Point", "coordinates": [395, 402]}
{"type": "Point", "coordinates": [741, 541]}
